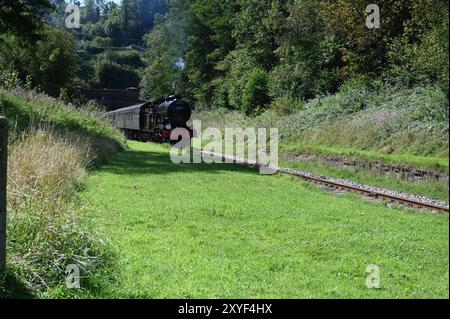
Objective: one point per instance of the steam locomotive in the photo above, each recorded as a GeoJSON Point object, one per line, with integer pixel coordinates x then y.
{"type": "Point", "coordinates": [153, 121]}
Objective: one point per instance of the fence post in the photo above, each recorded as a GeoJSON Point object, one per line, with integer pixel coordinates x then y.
{"type": "Point", "coordinates": [3, 167]}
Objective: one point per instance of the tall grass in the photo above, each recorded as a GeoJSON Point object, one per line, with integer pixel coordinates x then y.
{"type": "Point", "coordinates": [46, 232]}
{"type": "Point", "coordinates": [29, 108]}
{"type": "Point", "coordinates": [52, 147]}
{"type": "Point", "coordinates": [47, 166]}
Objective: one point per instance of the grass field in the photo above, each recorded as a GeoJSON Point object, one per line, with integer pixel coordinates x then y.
{"type": "Point", "coordinates": [194, 231]}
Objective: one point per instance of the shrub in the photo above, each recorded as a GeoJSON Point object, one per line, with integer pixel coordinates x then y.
{"type": "Point", "coordinates": [50, 64]}
{"type": "Point", "coordinates": [286, 105]}
{"type": "Point", "coordinates": [124, 58]}
{"type": "Point", "coordinates": [102, 42]}
{"type": "Point", "coordinates": [255, 96]}
{"type": "Point", "coordinates": [115, 76]}
{"type": "Point", "coordinates": [374, 117]}
{"type": "Point", "coordinates": [130, 58]}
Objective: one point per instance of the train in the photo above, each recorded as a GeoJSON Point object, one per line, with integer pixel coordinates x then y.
{"type": "Point", "coordinates": [153, 121]}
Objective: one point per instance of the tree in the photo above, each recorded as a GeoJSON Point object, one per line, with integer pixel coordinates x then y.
{"type": "Point", "coordinates": [91, 11]}
{"type": "Point", "coordinates": [308, 54]}
{"type": "Point", "coordinates": [256, 28]}
{"type": "Point", "coordinates": [255, 92]}
{"type": "Point", "coordinates": [421, 54]}
{"type": "Point", "coordinates": [56, 59]}
{"type": "Point", "coordinates": [304, 48]}
{"type": "Point", "coordinates": [23, 18]}
{"type": "Point", "coordinates": [210, 42]}
{"type": "Point", "coordinates": [364, 51]}
{"type": "Point", "coordinates": [166, 44]}
{"type": "Point", "coordinates": [48, 64]}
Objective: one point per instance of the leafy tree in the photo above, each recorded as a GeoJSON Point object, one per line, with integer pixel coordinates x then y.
{"type": "Point", "coordinates": [309, 56]}
{"type": "Point", "coordinates": [91, 11]}
{"type": "Point", "coordinates": [296, 49]}
{"type": "Point", "coordinates": [365, 51]}
{"type": "Point", "coordinates": [112, 75]}
{"type": "Point", "coordinates": [421, 54]}
{"type": "Point", "coordinates": [23, 18]}
{"type": "Point", "coordinates": [48, 64]}
{"type": "Point", "coordinates": [256, 27]}
{"type": "Point", "coordinates": [56, 61]}
{"type": "Point", "coordinates": [210, 42]}
{"type": "Point", "coordinates": [166, 44]}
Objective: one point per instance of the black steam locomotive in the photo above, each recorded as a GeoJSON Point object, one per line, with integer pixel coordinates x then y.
{"type": "Point", "coordinates": [153, 121]}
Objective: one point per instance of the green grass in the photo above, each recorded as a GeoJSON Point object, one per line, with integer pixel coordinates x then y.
{"type": "Point", "coordinates": [222, 231]}
{"type": "Point", "coordinates": [433, 189]}
{"type": "Point", "coordinates": [25, 109]}
{"type": "Point", "coordinates": [424, 162]}
{"type": "Point", "coordinates": [51, 147]}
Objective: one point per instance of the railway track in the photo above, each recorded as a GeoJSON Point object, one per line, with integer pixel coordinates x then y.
{"type": "Point", "coordinates": [412, 201]}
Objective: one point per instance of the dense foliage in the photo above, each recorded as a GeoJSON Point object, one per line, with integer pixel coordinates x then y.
{"type": "Point", "coordinates": [240, 54]}
{"type": "Point", "coordinates": [39, 51]}
{"type": "Point", "coordinates": [304, 48]}
{"type": "Point", "coordinates": [22, 17]}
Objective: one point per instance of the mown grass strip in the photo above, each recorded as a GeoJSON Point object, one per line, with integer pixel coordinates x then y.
{"type": "Point", "coordinates": [223, 231]}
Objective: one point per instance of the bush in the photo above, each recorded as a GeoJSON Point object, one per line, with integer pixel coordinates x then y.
{"type": "Point", "coordinates": [49, 64]}
{"type": "Point", "coordinates": [124, 58]}
{"type": "Point", "coordinates": [130, 58]}
{"type": "Point", "coordinates": [286, 105]}
{"type": "Point", "coordinates": [100, 42]}
{"type": "Point", "coordinates": [354, 95]}
{"type": "Point", "coordinates": [117, 69]}
{"type": "Point", "coordinates": [115, 76]}
{"type": "Point", "coordinates": [255, 96]}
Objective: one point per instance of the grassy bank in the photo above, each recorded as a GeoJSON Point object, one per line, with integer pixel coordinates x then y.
{"type": "Point", "coordinates": [386, 125]}
{"type": "Point", "coordinates": [26, 109]}
{"type": "Point", "coordinates": [52, 146]}
{"type": "Point", "coordinates": [204, 231]}
{"type": "Point", "coordinates": [436, 163]}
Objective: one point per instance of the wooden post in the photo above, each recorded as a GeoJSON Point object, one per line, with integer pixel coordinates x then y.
{"type": "Point", "coordinates": [3, 167]}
